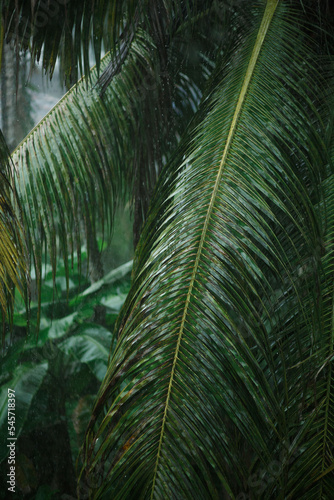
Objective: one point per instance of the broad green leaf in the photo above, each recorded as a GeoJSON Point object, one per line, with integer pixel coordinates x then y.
{"type": "Point", "coordinates": [60, 327]}
{"type": "Point", "coordinates": [114, 302]}
{"type": "Point", "coordinates": [52, 330]}
{"type": "Point", "coordinates": [90, 345]}
{"type": "Point", "coordinates": [109, 279]}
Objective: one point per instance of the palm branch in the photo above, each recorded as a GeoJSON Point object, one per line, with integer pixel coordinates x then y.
{"type": "Point", "coordinates": [220, 384]}
{"type": "Point", "coordinates": [69, 31]}
{"type": "Point", "coordinates": [13, 268]}
{"type": "Point", "coordinates": [88, 154]}
{"type": "Point", "coordinates": [74, 167]}
{"type": "Point", "coordinates": [103, 143]}
{"type": "Point", "coordinates": [62, 29]}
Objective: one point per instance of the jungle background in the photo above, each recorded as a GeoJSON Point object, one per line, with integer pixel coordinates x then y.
{"type": "Point", "coordinates": [57, 378]}
{"type": "Point", "coordinates": [200, 364]}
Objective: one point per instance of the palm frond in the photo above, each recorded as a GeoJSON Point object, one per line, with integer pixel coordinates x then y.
{"type": "Point", "coordinates": [52, 29]}
{"type": "Point", "coordinates": [210, 383]}
{"type": "Point", "coordinates": [60, 28]}
{"type": "Point", "coordinates": [103, 144]}
{"type": "Point", "coordinates": [320, 402]}
{"type": "Point", "coordinates": [13, 263]}
{"type": "Point", "coordinates": [74, 166]}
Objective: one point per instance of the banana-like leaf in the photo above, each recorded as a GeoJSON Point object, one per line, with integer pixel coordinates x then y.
{"type": "Point", "coordinates": [211, 389]}
{"type": "Point", "coordinates": [13, 263]}
{"type": "Point", "coordinates": [90, 345]}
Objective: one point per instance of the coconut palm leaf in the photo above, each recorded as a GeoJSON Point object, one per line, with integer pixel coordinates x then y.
{"type": "Point", "coordinates": [74, 166]}
{"type": "Point", "coordinates": [13, 266]}
{"type": "Point", "coordinates": [91, 152]}
{"type": "Point", "coordinates": [210, 391]}
{"type": "Point", "coordinates": [61, 28]}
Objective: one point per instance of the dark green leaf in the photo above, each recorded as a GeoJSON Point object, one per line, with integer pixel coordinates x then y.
{"type": "Point", "coordinates": [25, 381]}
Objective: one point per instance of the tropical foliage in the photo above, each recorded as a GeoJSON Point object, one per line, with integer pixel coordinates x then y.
{"type": "Point", "coordinates": [56, 378]}
{"type": "Point", "coordinates": [13, 269]}
{"type": "Point", "coordinates": [220, 117]}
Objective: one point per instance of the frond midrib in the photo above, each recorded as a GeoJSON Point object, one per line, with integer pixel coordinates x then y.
{"type": "Point", "coordinates": [263, 29]}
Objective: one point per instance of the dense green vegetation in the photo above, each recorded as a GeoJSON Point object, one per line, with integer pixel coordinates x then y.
{"type": "Point", "coordinates": [214, 120]}
{"type": "Point", "coordinates": [56, 378]}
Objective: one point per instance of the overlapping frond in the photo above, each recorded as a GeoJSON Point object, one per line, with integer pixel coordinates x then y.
{"type": "Point", "coordinates": [74, 166]}
{"type": "Point", "coordinates": [61, 28]}
{"type": "Point", "coordinates": [318, 453]}
{"type": "Point", "coordinates": [209, 391]}
{"type": "Point", "coordinates": [13, 258]}
{"type": "Point", "coordinates": [320, 404]}
{"type": "Point", "coordinates": [170, 86]}
{"type": "Point", "coordinates": [105, 143]}
{"type": "Point", "coordinates": [71, 31]}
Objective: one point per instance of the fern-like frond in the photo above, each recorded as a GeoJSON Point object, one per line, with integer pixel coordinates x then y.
{"type": "Point", "coordinates": [62, 28]}
{"type": "Point", "coordinates": [71, 31]}
{"type": "Point", "coordinates": [209, 386]}
{"type": "Point", "coordinates": [75, 165]}
{"type": "Point", "coordinates": [318, 451]}
{"type": "Point", "coordinates": [102, 144]}
{"type": "Point", "coordinates": [13, 257]}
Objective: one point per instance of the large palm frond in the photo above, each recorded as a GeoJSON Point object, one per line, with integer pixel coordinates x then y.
{"type": "Point", "coordinates": [99, 146]}
{"type": "Point", "coordinates": [74, 166]}
{"type": "Point", "coordinates": [317, 456]}
{"type": "Point", "coordinates": [210, 391]}
{"type": "Point", "coordinates": [13, 266]}
{"type": "Point", "coordinates": [320, 434]}
{"type": "Point", "coordinates": [61, 28]}
{"type": "Point", "coordinates": [169, 88]}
